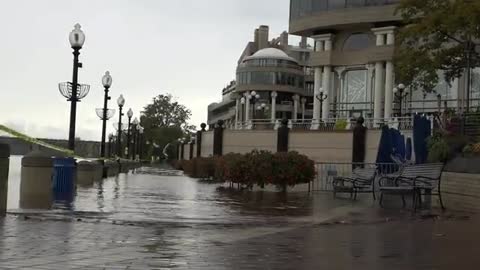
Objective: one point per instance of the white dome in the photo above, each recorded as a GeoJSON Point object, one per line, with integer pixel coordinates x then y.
{"type": "Point", "coordinates": [271, 53]}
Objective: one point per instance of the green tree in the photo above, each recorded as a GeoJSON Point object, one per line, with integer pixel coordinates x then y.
{"type": "Point", "coordinates": [439, 36]}
{"type": "Point", "coordinates": [165, 120]}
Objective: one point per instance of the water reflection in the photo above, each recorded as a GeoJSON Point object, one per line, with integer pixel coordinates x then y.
{"type": "Point", "coordinates": [152, 195]}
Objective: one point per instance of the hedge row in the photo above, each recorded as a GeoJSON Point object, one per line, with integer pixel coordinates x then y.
{"type": "Point", "coordinates": [256, 168]}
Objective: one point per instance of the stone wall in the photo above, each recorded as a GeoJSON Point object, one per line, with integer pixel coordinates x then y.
{"type": "Point", "coordinates": [244, 141]}
{"type": "Point", "coordinates": [207, 144]}
{"type": "Point", "coordinates": [88, 149]}
{"type": "Point", "coordinates": [323, 146]}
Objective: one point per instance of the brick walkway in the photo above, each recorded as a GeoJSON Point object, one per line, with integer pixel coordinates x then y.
{"type": "Point", "coordinates": [344, 238]}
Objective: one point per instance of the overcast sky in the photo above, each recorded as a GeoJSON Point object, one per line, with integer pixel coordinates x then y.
{"type": "Point", "coordinates": [188, 48]}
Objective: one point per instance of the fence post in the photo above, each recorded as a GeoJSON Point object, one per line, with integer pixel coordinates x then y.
{"type": "Point", "coordinates": [4, 167]}
{"type": "Point", "coordinates": [218, 139]}
{"type": "Point", "coordinates": [282, 138]}
{"type": "Point", "coordinates": [199, 139]}
{"type": "Point", "coordinates": [191, 149]}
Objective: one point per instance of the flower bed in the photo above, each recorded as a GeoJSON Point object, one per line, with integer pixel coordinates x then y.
{"type": "Point", "coordinates": [256, 168]}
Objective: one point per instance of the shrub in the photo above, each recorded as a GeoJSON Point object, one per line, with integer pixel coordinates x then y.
{"type": "Point", "coordinates": [438, 149]}
{"type": "Point", "coordinates": [290, 169]}
{"type": "Point", "coordinates": [341, 124]}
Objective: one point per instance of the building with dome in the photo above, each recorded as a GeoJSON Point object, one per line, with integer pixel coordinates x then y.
{"type": "Point", "coordinates": [272, 83]}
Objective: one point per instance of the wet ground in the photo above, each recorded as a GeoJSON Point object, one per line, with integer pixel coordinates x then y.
{"type": "Point", "coordinates": [157, 220]}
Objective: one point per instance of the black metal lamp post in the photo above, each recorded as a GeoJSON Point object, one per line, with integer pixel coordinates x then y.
{"type": "Point", "coordinates": [242, 102]}
{"type": "Point", "coordinates": [129, 115]}
{"type": "Point", "coordinates": [254, 97]}
{"type": "Point", "coordinates": [121, 103]}
{"type": "Point", "coordinates": [400, 92]}
{"type": "Point", "coordinates": [140, 141]}
{"type": "Point", "coordinates": [105, 114]}
{"type": "Point", "coordinates": [72, 90]}
{"type": "Point", "coordinates": [110, 144]}
{"type": "Point", "coordinates": [321, 97]}
{"type": "Point", "coordinates": [263, 108]}
{"type": "Point", "coordinates": [135, 124]}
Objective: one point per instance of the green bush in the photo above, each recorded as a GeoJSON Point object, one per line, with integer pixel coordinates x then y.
{"type": "Point", "coordinates": [341, 124]}
{"type": "Point", "coordinates": [255, 168]}
{"type": "Point", "coordinates": [438, 149]}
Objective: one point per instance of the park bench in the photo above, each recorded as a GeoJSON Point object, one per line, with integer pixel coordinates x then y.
{"type": "Point", "coordinates": [415, 180]}
{"type": "Point", "coordinates": [362, 180]}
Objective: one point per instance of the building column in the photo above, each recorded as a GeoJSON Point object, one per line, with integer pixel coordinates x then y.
{"type": "Point", "coordinates": [378, 96]}
{"type": "Point", "coordinates": [247, 107]}
{"type": "Point", "coordinates": [316, 103]}
{"type": "Point", "coordinates": [327, 71]}
{"type": "Point", "coordinates": [303, 102]}
{"type": "Point", "coordinates": [369, 84]}
{"type": "Point", "coordinates": [296, 99]}
{"type": "Point", "coordinates": [274, 106]}
{"type": "Point", "coordinates": [237, 111]}
{"type": "Point", "coordinates": [340, 71]}
{"type": "Point", "coordinates": [388, 89]}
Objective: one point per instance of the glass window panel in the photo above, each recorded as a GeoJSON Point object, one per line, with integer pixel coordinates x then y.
{"type": "Point", "coordinates": [355, 3]}
{"type": "Point", "coordinates": [336, 4]}
{"type": "Point", "coordinates": [319, 5]}
{"type": "Point", "coordinates": [357, 41]}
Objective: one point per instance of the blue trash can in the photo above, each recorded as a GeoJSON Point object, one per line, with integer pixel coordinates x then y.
{"type": "Point", "coordinates": [64, 172]}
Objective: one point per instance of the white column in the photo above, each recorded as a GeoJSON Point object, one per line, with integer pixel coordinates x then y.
{"type": "Point", "coordinates": [237, 111]}
{"type": "Point", "coordinates": [247, 107]}
{"type": "Point", "coordinates": [327, 71]}
{"type": "Point", "coordinates": [340, 71]}
{"type": "Point", "coordinates": [378, 97]}
{"type": "Point", "coordinates": [274, 106]}
{"type": "Point", "coordinates": [388, 89]}
{"type": "Point", "coordinates": [296, 99]}
{"type": "Point", "coordinates": [369, 80]}
{"type": "Point", "coordinates": [303, 102]}
{"type": "Point", "coordinates": [316, 103]}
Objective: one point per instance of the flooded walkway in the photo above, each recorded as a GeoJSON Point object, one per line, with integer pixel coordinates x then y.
{"type": "Point", "coordinates": [159, 219]}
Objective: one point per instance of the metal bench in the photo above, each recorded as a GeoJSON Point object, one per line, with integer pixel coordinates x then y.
{"type": "Point", "coordinates": [362, 180]}
{"type": "Point", "coordinates": [417, 180]}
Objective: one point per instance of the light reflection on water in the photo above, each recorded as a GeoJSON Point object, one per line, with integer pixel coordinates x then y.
{"type": "Point", "coordinates": [164, 197]}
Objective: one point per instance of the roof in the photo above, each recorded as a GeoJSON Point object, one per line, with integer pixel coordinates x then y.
{"type": "Point", "coordinates": [271, 53]}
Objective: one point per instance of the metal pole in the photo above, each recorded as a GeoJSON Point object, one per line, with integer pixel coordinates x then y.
{"type": "Point", "coordinates": [119, 138]}
{"type": "Point", "coordinates": [128, 136]}
{"type": "Point", "coordinates": [401, 104]}
{"type": "Point", "coordinates": [4, 167]}
{"type": "Point", "coordinates": [134, 146]}
{"type": "Point", "coordinates": [104, 122]}
{"type": "Point", "coordinates": [469, 75]}
{"type": "Point", "coordinates": [73, 99]}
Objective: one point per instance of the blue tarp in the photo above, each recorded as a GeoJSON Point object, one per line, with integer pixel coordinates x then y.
{"type": "Point", "coordinates": [408, 150]}
{"type": "Point", "coordinates": [421, 132]}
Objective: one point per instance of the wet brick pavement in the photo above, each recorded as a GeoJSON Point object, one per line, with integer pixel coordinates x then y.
{"type": "Point", "coordinates": [344, 239]}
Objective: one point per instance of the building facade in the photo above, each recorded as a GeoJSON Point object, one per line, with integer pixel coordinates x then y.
{"type": "Point", "coordinates": [348, 72]}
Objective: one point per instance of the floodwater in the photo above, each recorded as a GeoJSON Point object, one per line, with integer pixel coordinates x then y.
{"type": "Point", "coordinates": [153, 195]}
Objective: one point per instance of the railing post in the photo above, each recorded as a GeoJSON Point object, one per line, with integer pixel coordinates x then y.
{"type": "Point", "coordinates": [4, 167]}
{"type": "Point", "coordinates": [199, 139]}
{"type": "Point", "coordinates": [218, 139]}
{"type": "Point", "coordinates": [282, 138]}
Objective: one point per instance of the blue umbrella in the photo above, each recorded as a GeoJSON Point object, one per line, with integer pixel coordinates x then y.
{"type": "Point", "coordinates": [385, 148]}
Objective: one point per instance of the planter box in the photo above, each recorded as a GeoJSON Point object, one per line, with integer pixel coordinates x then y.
{"type": "Point", "coordinates": [464, 165]}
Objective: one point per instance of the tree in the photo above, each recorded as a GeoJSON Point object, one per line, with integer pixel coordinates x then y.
{"type": "Point", "coordinates": [440, 36]}
{"type": "Point", "coordinates": [165, 120]}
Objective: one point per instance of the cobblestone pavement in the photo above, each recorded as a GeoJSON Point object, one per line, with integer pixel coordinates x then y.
{"type": "Point", "coordinates": [345, 238]}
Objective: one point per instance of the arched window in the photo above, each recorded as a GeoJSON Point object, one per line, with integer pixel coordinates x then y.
{"type": "Point", "coordinates": [357, 41]}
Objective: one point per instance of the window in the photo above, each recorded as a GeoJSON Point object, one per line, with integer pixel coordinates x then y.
{"type": "Point", "coordinates": [357, 41]}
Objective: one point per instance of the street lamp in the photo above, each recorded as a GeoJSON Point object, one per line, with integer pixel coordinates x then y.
{"type": "Point", "coordinates": [110, 143]}
{"type": "Point", "coordinates": [321, 97]}
{"type": "Point", "coordinates": [135, 124]}
{"type": "Point", "coordinates": [140, 141]}
{"type": "Point", "coordinates": [121, 103]}
{"type": "Point", "coordinates": [129, 115]}
{"type": "Point", "coordinates": [242, 101]}
{"type": "Point", "coordinates": [263, 107]}
{"type": "Point", "coordinates": [254, 97]}
{"type": "Point", "coordinates": [400, 92]}
{"type": "Point", "coordinates": [105, 114]}
{"type": "Point", "coordinates": [73, 91]}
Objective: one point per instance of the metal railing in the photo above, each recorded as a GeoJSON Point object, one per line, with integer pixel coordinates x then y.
{"type": "Point", "coordinates": [327, 171]}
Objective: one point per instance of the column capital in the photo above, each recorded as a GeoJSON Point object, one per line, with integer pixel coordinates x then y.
{"type": "Point", "coordinates": [370, 67]}
{"type": "Point", "coordinates": [274, 94]}
{"type": "Point", "coordinates": [296, 97]}
{"type": "Point", "coordinates": [323, 37]}
{"type": "Point", "coordinates": [303, 100]}
{"type": "Point", "coordinates": [340, 71]}
{"type": "Point", "coordinates": [384, 30]}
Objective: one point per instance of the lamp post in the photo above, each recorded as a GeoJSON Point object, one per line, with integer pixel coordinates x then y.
{"type": "Point", "coordinates": [400, 93]}
{"type": "Point", "coordinates": [135, 124]}
{"type": "Point", "coordinates": [242, 101]}
{"type": "Point", "coordinates": [254, 97]}
{"type": "Point", "coordinates": [321, 97]}
{"type": "Point", "coordinates": [263, 107]}
{"type": "Point", "coordinates": [140, 141]}
{"type": "Point", "coordinates": [73, 91]}
{"type": "Point", "coordinates": [129, 115]}
{"type": "Point", "coordinates": [110, 144]}
{"type": "Point", "coordinates": [105, 114]}
{"type": "Point", "coordinates": [121, 103]}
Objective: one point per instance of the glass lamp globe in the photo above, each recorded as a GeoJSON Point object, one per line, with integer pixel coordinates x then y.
{"type": "Point", "coordinates": [77, 37]}
{"type": "Point", "coordinates": [130, 113]}
{"type": "Point", "coordinates": [401, 86]}
{"type": "Point", "coordinates": [121, 101]}
{"type": "Point", "coordinates": [107, 80]}
{"type": "Point", "coordinates": [253, 93]}
{"type": "Point", "coordinates": [135, 121]}
{"type": "Point", "coordinates": [395, 90]}
{"type": "Point", "coordinates": [242, 100]}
